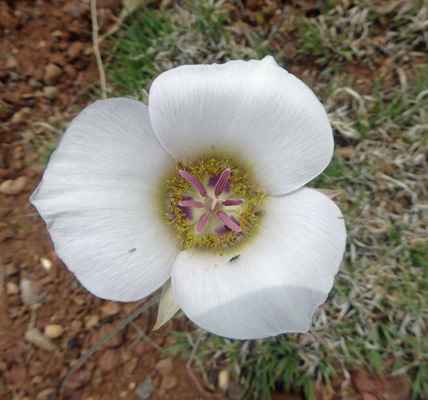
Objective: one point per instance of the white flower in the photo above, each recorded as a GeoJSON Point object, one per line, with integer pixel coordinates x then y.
{"type": "Point", "coordinates": [131, 199]}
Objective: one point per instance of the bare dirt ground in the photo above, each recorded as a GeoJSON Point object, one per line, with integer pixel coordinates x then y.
{"type": "Point", "coordinates": [46, 73]}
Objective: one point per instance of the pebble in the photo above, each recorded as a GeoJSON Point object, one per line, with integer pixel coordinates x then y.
{"type": "Point", "coordinates": [145, 390]}
{"type": "Point", "coordinates": [115, 340]}
{"type": "Point", "coordinates": [51, 92]}
{"type": "Point", "coordinates": [75, 49]}
{"type": "Point", "coordinates": [53, 331]}
{"type": "Point", "coordinates": [10, 269]}
{"type": "Point", "coordinates": [13, 186]}
{"type": "Point", "coordinates": [46, 264]}
{"type": "Point", "coordinates": [70, 71]}
{"type": "Point", "coordinates": [37, 338]}
{"type": "Point", "coordinates": [109, 360]}
{"type": "Point", "coordinates": [30, 291]}
{"type": "Point", "coordinates": [110, 308]}
{"type": "Point", "coordinates": [164, 367]}
{"type": "Point", "coordinates": [12, 288]}
{"type": "Point", "coordinates": [11, 63]}
{"type": "Point", "coordinates": [79, 300]}
{"type": "Point", "coordinates": [224, 379]}
{"type": "Point", "coordinates": [46, 394]}
{"type": "Point", "coordinates": [92, 321]}
{"type": "Point", "coordinates": [168, 382]}
{"type": "Point", "coordinates": [51, 74]}
{"type": "Point", "coordinates": [35, 84]}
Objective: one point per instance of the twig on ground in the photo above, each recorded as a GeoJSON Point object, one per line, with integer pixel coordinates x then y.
{"type": "Point", "coordinates": [97, 50]}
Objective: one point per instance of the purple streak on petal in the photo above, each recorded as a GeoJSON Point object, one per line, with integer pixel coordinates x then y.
{"type": "Point", "coordinates": [222, 230]}
{"type": "Point", "coordinates": [214, 179]}
{"type": "Point", "coordinates": [187, 211]}
{"type": "Point", "coordinates": [233, 202]}
{"type": "Point", "coordinates": [221, 183]}
{"type": "Point", "coordinates": [191, 203]}
{"type": "Point", "coordinates": [229, 222]}
{"type": "Point", "coordinates": [202, 223]}
{"type": "Point", "coordinates": [191, 179]}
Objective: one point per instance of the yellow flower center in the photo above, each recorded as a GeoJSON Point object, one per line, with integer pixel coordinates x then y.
{"type": "Point", "coordinates": [211, 205]}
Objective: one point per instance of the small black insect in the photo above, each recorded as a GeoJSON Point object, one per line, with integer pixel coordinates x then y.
{"type": "Point", "coordinates": [234, 258]}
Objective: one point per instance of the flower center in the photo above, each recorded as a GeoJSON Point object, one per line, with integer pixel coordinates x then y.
{"type": "Point", "coordinates": [211, 205]}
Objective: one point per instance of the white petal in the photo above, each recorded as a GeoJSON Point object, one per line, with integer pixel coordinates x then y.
{"type": "Point", "coordinates": [168, 306]}
{"type": "Point", "coordinates": [98, 199]}
{"type": "Point", "coordinates": [279, 278]}
{"type": "Point", "coordinates": [253, 111]}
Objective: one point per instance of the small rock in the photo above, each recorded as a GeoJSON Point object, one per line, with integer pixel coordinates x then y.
{"type": "Point", "coordinates": [14, 300]}
{"type": "Point", "coordinates": [114, 341]}
{"type": "Point", "coordinates": [346, 152]}
{"type": "Point", "coordinates": [51, 92]}
{"type": "Point", "coordinates": [13, 186]}
{"type": "Point", "coordinates": [36, 337]}
{"type": "Point", "coordinates": [164, 367]}
{"type": "Point", "coordinates": [46, 264]}
{"type": "Point", "coordinates": [10, 269]}
{"type": "Point", "coordinates": [79, 379]}
{"type": "Point", "coordinates": [12, 288]}
{"type": "Point", "coordinates": [35, 84]}
{"type": "Point", "coordinates": [75, 50]}
{"type": "Point", "coordinates": [92, 321]}
{"type": "Point", "coordinates": [79, 300]}
{"type": "Point", "coordinates": [46, 394]}
{"type": "Point", "coordinates": [168, 382]}
{"type": "Point", "coordinates": [109, 360]}
{"type": "Point", "coordinates": [224, 379]}
{"type": "Point", "coordinates": [110, 308]}
{"type": "Point", "coordinates": [70, 71]}
{"type": "Point", "coordinates": [145, 390]}
{"type": "Point", "coordinates": [76, 325]}
{"type": "Point", "coordinates": [51, 74]}
{"type": "Point", "coordinates": [53, 331]}
{"type": "Point", "coordinates": [31, 291]}
{"type": "Point", "coordinates": [12, 97]}
{"type": "Point", "coordinates": [11, 63]}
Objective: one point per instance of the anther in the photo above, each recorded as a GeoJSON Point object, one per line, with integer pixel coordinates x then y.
{"type": "Point", "coordinates": [191, 203]}
{"type": "Point", "coordinates": [202, 223]}
{"type": "Point", "coordinates": [229, 222]}
{"type": "Point", "coordinates": [193, 181]}
{"type": "Point", "coordinates": [221, 183]}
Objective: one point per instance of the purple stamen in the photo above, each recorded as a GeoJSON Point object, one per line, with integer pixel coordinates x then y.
{"type": "Point", "coordinates": [233, 202]}
{"type": "Point", "coordinates": [202, 223]}
{"type": "Point", "coordinates": [221, 183]}
{"type": "Point", "coordinates": [194, 182]}
{"type": "Point", "coordinates": [191, 203]}
{"type": "Point", "coordinates": [228, 221]}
